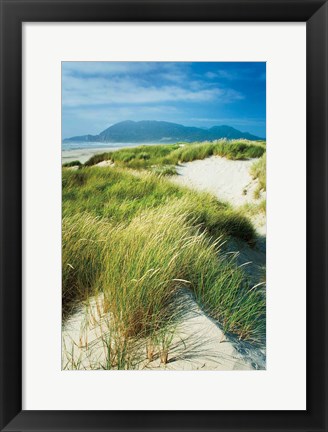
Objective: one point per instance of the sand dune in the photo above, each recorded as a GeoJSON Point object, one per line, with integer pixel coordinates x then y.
{"type": "Point", "coordinates": [198, 343]}
{"type": "Point", "coordinates": [228, 180]}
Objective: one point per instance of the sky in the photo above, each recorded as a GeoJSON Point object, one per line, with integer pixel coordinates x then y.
{"type": "Point", "coordinates": [96, 95]}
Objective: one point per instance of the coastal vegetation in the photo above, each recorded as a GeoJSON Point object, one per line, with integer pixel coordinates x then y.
{"type": "Point", "coordinates": [72, 164]}
{"type": "Point", "coordinates": [163, 216]}
{"type": "Point", "coordinates": [134, 237]}
{"type": "Point", "coordinates": [258, 172]}
{"type": "Point", "coordinates": [148, 157]}
{"type": "Point", "coordinates": [119, 195]}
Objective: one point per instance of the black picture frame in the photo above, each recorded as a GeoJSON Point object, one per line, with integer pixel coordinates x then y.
{"type": "Point", "coordinates": [13, 14]}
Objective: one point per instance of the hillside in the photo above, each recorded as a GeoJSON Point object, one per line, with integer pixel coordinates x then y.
{"type": "Point", "coordinates": [150, 131]}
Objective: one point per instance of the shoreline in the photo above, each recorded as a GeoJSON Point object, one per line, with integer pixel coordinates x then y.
{"type": "Point", "coordinates": [83, 154]}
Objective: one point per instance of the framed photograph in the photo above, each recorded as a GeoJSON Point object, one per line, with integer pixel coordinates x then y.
{"type": "Point", "coordinates": [163, 215]}
{"type": "Point", "coordinates": [181, 201]}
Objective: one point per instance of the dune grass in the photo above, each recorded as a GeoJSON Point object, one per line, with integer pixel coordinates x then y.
{"type": "Point", "coordinates": [164, 170]}
{"type": "Point", "coordinates": [253, 209]}
{"type": "Point", "coordinates": [234, 150]}
{"type": "Point", "coordinates": [119, 196]}
{"type": "Point", "coordinates": [138, 239]}
{"type": "Point", "coordinates": [72, 163]}
{"type": "Point", "coordinates": [145, 157]}
{"type": "Point", "coordinates": [258, 172]}
{"type": "Point", "coordinates": [140, 266]}
{"type": "Point", "coordinates": [136, 157]}
{"type": "Point", "coordinates": [95, 159]}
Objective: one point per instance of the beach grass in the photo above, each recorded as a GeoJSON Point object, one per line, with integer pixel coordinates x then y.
{"type": "Point", "coordinates": [119, 196]}
{"type": "Point", "coordinates": [140, 266]}
{"type": "Point", "coordinates": [253, 209]}
{"type": "Point", "coordinates": [135, 237]}
{"type": "Point", "coordinates": [258, 172]}
{"type": "Point", "coordinates": [72, 164]}
{"type": "Point", "coordinates": [164, 170]}
{"type": "Point", "coordinates": [152, 156]}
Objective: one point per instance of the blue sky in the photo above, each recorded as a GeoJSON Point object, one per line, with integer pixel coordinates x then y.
{"type": "Point", "coordinates": [96, 95]}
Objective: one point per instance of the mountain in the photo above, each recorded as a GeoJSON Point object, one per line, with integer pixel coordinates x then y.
{"type": "Point", "coordinates": [151, 131]}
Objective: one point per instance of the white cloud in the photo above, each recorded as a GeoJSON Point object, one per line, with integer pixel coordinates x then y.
{"type": "Point", "coordinates": [105, 68]}
{"type": "Point", "coordinates": [79, 91]}
{"type": "Point", "coordinates": [170, 71]}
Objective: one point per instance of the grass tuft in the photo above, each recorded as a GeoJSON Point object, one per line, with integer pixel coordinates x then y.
{"type": "Point", "coordinates": [164, 170]}
{"type": "Point", "coordinates": [95, 159]}
{"type": "Point", "coordinates": [140, 266]}
{"type": "Point", "coordinates": [72, 163]}
{"type": "Point", "coordinates": [258, 172]}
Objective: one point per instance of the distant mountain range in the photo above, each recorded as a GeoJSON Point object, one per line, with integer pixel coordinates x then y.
{"type": "Point", "coordinates": [151, 131]}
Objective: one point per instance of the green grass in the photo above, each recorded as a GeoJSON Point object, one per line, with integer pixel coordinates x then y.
{"type": "Point", "coordinates": [164, 170]}
{"type": "Point", "coordinates": [98, 158]}
{"type": "Point", "coordinates": [138, 238]}
{"type": "Point", "coordinates": [235, 150]}
{"type": "Point", "coordinates": [253, 209]}
{"type": "Point", "coordinates": [258, 172]}
{"type": "Point", "coordinates": [140, 266]}
{"type": "Point", "coordinates": [71, 164]}
{"type": "Point", "coordinates": [148, 157]}
{"type": "Point", "coordinates": [119, 196]}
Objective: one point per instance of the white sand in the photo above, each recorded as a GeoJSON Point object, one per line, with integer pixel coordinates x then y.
{"type": "Point", "coordinates": [84, 336]}
{"type": "Point", "coordinates": [198, 344]}
{"type": "Point", "coordinates": [228, 180]}
{"type": "Point", "coordinates": [105, 163]}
